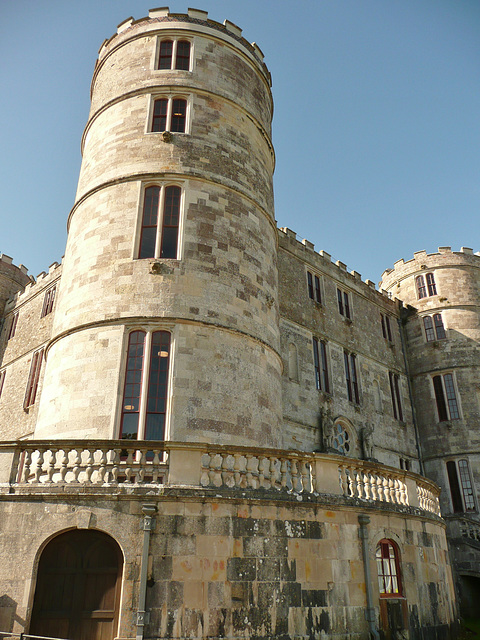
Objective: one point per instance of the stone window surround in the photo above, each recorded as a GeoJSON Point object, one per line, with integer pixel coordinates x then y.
{"type": "Point", "coordinates": [174, 39]}
{"type": "Point", "coordinates": [442, 375]}
{"type": "Point", "coordinates": [462, 487]}
{"type": "Point", "coordinates": [148, 329]}
{"type": "Point", "coordinates": [162, 184]}
{"type": "Point", "coordinates": [170, 96]}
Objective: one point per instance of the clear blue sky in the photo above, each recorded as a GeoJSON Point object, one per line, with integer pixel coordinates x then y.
{"type": "Point", "coordinates": [376, 126]}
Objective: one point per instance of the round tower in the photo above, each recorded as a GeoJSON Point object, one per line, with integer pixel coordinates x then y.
{"type": "Point", "coordinates": [12, 279]}
{"type": "Point", "coordinates": [442, 320]}
{"type": "Point", "coordinates": [167, 317]}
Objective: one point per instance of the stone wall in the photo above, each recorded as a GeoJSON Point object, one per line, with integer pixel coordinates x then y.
{"type": "Point", "coordinates": [240, 568]}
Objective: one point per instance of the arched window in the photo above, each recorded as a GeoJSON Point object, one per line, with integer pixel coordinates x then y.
{"type": "Point", "coordinates": [159, 235]}
{"type": "Point", "coordinates": [169, 114]}
{"type": "Point", "coordinates": [388, 569]}
{"type": "Point", "coordinates": [428, 289]}
{"type": "Point", "coordinates": [145, 393]}
{"type": "Point", "coordinates": [174, 54]}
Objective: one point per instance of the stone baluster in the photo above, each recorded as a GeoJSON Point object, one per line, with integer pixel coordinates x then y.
{"type": "Point", "coordinates": [77, 465]}
{"type": "Point", "coordinates": [51, 465]}
{"type": "Point", "coordinates": [141, 462]}
{"type": "Point", "coordinates": [102, 466]}
{"type": "Point", "coordinates": [237, 470]}
{"type": "Point", "coordinates": [379, 482]}
{"type": "Point", "coordinates": [26, 465]}
{"type": "Point", "coordinates": [283, 472]}
{"type": "Point", "coordinates": [64, 465]}
{"type": "Point", "coordinates": [295, 475]}
{"type": "Point", "coordinates": [39, 464]}
{"type": "Point", "coordinates": [89, 466]}
{"type": "Point", "coordinates": [116, 464]}
{"type": "Point", "coordinates": [205, 473]}
{"type": "Point", "coordinates": [359, 492]}
{"type": "Point", "coordinates": [248, 470]}
{"type": "Point", "coordinates": [225, 471]}
{"type": "Point", "coordinates": [305, 477]}
{"type": "Point", "coordinates": [128, 466]}
{"type": "Point", "coordinates": [343, 480]}
{"type": "Point", "coordinates": [261, 475]}
{"type": "Point", "coordinates": [156, 465]}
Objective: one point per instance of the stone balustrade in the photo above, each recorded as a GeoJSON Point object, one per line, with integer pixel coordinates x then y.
{"type": "Point", "coordinates": [37, 465]}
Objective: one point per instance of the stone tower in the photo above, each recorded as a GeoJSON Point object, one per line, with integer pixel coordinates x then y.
{"type": "Point", "coordinates": [171, 249]}
{"type": "Point", "coordinates": [443, 335]}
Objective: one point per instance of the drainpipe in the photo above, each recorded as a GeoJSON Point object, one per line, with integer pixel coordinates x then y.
{"type": "Point", "coordinates": [147, 524]}
{"type": "Point", "coordinates": [363, 520]}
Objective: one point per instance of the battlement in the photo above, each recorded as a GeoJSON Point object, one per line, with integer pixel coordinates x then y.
{"type": "Point", "coordinates": [162, 15]}
{"type": "Point", "coordinates": [323, 260]}
{"type": "Point", "coordinates": [400, 267]}
{"type": "Point", "coordinates": [35, 285]}
{"type": "Point", "coordinates": [7, 260]}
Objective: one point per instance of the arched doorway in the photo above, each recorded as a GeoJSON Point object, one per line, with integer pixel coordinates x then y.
{"type": "Point", "coordinates": [78, 587]}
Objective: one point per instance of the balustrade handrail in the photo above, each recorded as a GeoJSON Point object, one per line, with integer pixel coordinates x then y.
{"type": "Point", "coordinates": [167, 463]}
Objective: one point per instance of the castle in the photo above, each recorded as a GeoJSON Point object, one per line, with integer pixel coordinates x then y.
{"type": "Point", "coordinates": [208, 429]}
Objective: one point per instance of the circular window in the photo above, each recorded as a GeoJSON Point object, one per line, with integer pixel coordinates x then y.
{"type": "Point", "coordinates": [341, 439]}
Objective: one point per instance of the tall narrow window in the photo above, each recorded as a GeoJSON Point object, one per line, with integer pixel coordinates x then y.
{"type": "Point", "coordinates": [182, 61]}
{"type": "Point", "coordinates": [174, 54]}
{"type": "Point", "coordinates": [48, 301]}
{"type": "Point", "coordinates": [169, 114]}
{"type": "Point", "coordinates": [439, 328]}
{"type": "Point", "coordinates": [431, 286]}
{"type": "Point", "coordinates": [321, 365]}
{"type": "Point", "coordinates": [159, 237]}
{"type": "Point", "coordinates": [310, 285]}
{"type": "Point", "coordinates": [33, 378]}
{"type": "Point", "coordinates": [351, 377]}
{"type": "Point", "coordinates": [428, 289]}
{"type": "Point", "coordinates": [388, 569]}
{"type": "Point", "coordinates": [146, 386]}
{"type": "Point", "coordinates": [386, 329]}
{"type": "Point", "coordinates": [2, 380]}
{"type": "Point", "coordinates": [434, 329]}
{"type": "Point", "coordinates": [445, 397]}
{"type": "Point", "coordinates": [396, 398]}
{"type": "Point", "coordinates": [13, 326]}
{"type": "Point", "coordinates": [165, 54]}
{"type": "Point", "coordinates": [421, 288]}
{"type": "Point", "coordinates": [344, 304]}
{"type": "Point", "coordinates": [314, 292]}
{"type": "Point", "coordinates": [461, 488]}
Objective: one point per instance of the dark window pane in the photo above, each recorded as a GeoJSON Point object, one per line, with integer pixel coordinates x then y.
{"type": "Point", "coordinates": [310, 285]}
{"type": "Point", "coordinates": [165, 56]}
{"type": "Point", "coordinates": [133, 387]}
{"type": "Point", "coordinates": [149, 223]}
{"type": "Point", "coordinates": [323, 352]}
{"type": "Point", "coordinates": [440, 398]}
{"type": "Point", "coordinates": [157, 386]}
{"type": "Point", "coordinates": [179, 112]}
{"type": "Point", "coordinates": [183, 55]}
{"type": "Point", "coordinates": [429, 332]}
{"type": "Point", "coordinates": [170, 222]}
{"type": "Point", "coordinates": [454, 487]}
{"type": "Point", "coordinates": [432, 289]}
{"type": "Point", "coordinates": [439, 328]}
{"type": "Point", "coordinates": [318, 295]}
{"type": "Point", "coordinates": [316, 364]}
{"type": "Point", "coordinates": [160, 109]}
{"type": "Point", "coordinates": [451, 398]}
{"type": "Point", "coordinates": [347, 305]}
{"type": "Point", "coordinates": [421, 289]}
{"type": "Point", "coordinates": [340, 302]}
{"type": "Point", "coordinates": [466, 484]}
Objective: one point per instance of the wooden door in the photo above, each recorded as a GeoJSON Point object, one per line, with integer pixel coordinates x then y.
{"type": "Point", "coordinates": [78, 587]}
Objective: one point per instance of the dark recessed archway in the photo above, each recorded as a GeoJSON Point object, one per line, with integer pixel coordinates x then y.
{"type": "Point", "coordinates": [78, 587]}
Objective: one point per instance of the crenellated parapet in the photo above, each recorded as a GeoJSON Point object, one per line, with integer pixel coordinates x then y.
{"type": "Point", "coordinates": [227, 30]}
{"type": "Point", "coordinates": [34, 286]}
{"type": "Point", "coordinates": [338, 270]}
{"type": "Point", "coordinates": [12, 279]}
{"type": "Point", "coordinates": [393, 279]}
